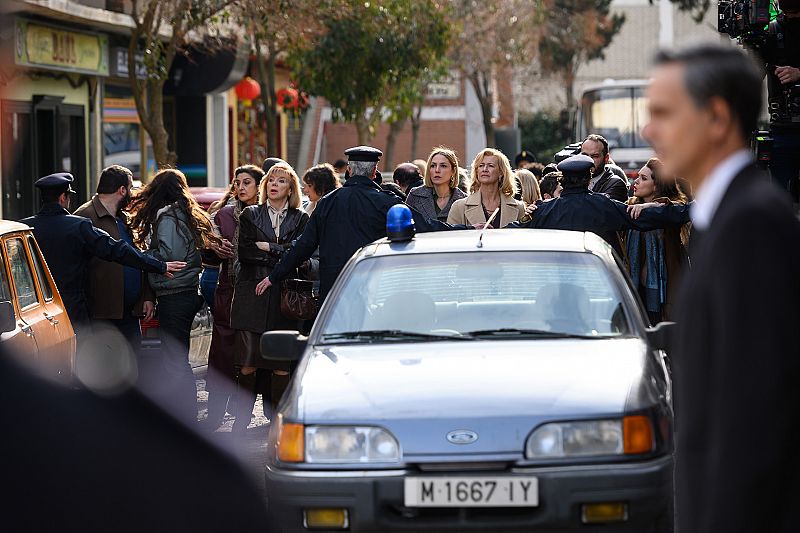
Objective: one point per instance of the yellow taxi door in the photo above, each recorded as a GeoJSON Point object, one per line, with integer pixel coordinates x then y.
{"type": "Point", "coordinates": [19, 342]}
{"type": "Point", "coordinates": [33, 311]}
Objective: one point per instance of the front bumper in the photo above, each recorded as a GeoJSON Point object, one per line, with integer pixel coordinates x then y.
{"type": "Point", "coordinates": [375, 499]}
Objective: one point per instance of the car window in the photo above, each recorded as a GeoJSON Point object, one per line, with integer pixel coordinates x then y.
{"type": "Point", "coordinates": [559, 292]}
{"type": "Point", "coordinates": [36, 255]}
{"type": "Point", "coordinates": [21, 273]}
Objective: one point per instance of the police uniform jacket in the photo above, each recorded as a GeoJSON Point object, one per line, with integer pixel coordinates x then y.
{"type": "Point", "coordinates": [344, 220]}
{"type": "Point", "coordinates": [106, 279]}
{"type": "Point", "coordinates": [578, 209]}
{"type": "Point", "coordinates": [69, 243]}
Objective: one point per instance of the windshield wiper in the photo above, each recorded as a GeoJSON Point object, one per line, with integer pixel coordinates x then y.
{"type": "Point", "coordinates": [383, 334]}
{"type": "Point", "coordinates": [515, 332]}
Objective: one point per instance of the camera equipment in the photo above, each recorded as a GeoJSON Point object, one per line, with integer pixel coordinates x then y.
{"type": "Point", "coordinates": [745, 20]}
{"type": "Point", "coordinates": [567, 151]}
{"type": "Point", "coordinates": [762, 148]}
{"type": "Point", "coordinates": [785, 106]}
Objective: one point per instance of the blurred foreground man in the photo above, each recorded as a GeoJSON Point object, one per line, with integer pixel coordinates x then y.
{"type": "Point", "coordinates": [735, 361]}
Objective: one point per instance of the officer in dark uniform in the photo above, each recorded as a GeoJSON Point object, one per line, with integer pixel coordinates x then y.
{"type": "Point", "coordinates": [579, 209]}
{"type": "Point", "coordinates": [68, 243]}
{"type": "Point", "coordinates": [345, 220]}
{"type": "Point", "coordinates": [524, 159]}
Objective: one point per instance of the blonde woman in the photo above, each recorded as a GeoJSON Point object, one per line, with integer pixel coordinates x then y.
{"type": "Point", "coordinates": [266, 232]}
{"type": "Point", "coordinates": [529, 187]}
{"type": "Point", "coordinates": [493, 187]}
{"type": "Point", "coordinates": [440, 190]}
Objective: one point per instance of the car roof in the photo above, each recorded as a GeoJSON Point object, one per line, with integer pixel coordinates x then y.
{"type": "Point", "coordinates": [10, 226]}
{"type": "Point", "coordinates": [494, 240]}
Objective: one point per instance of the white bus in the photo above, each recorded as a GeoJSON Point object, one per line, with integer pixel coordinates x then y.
{"type": "Point", "coordinates": [617, 110]}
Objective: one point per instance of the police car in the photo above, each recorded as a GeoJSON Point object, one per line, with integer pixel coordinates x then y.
{"type": "Point", "coordinates": [468, 381]}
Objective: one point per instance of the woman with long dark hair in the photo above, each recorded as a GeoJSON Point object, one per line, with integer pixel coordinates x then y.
{"type": "Point", "coordinates": [266, 232]}
{"type": "Point", "coordinates": [220, 381]}
{"type": "Point", "coordinates": [656, 259]}
{"type": "Point", "coordinates": [170, 223]}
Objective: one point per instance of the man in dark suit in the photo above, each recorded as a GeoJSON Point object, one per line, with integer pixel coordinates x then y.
{"type": "Point", "coordinates": [735, 359]}
{"type": "Point", "coordinates": [604, 181]}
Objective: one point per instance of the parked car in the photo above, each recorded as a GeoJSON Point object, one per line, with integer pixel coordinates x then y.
{"type": "Point", "coordinates": [205, 196]}
{"type": "Point", "coordinates": [33, 321]}
{"type": "Point", "coordinates": [455, 382]}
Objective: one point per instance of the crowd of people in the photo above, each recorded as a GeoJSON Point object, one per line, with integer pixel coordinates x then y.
{"type": "Point", "coordinates": [734, 361]}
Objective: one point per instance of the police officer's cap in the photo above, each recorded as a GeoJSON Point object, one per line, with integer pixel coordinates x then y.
{"type": "Point", "coordinates": [524, 156]}
{"type": "Point", "coordinates": [59, 180]}
{"type": "Point", "coordinates": [363, 153]}
{"type": "Point", "coordinates": [579, 166]}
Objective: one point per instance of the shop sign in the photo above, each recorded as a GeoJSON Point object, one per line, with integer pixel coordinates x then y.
{"type": "Point", "coordinates": [448, 88]}
{"type": "Point", "coordinates": [44, 46]}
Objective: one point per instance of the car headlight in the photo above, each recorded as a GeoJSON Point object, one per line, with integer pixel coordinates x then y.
{"type": "Point", "coordinates": [629, 435]}
{"type": "Point", "coordinates": [347, 444]}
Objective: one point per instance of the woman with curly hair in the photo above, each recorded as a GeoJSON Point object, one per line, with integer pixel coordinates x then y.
{"type": "Point", "coordinates": [170, 223]}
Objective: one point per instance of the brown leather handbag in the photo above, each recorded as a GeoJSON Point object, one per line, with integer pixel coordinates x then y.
{"type": "Point", "coordinates": [298, 301]}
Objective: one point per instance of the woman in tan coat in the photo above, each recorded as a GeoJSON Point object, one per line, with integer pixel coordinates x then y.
{"type": "Point", "coordinates": [493, 187]}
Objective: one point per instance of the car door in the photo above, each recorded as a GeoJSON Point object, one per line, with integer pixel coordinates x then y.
{"type": "Point", "coordinates": [20, 342]}
{"type": "Point", "coordinates": [54, 310]}
{"type": "Point", "coordinates": [33, 310]}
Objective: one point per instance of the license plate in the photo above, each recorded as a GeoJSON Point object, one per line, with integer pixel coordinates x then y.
{"type": "Point", "coordinates": [471, 491]}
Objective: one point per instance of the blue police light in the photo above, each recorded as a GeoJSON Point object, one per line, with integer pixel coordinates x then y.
{"type": "Point", "coordinates": [400, 223]}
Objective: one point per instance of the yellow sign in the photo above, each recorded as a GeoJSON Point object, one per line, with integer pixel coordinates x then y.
{"type": "Point", "coordinates": [59, 49]}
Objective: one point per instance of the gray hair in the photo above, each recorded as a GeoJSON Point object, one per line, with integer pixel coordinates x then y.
{"type": "Point", "coordinates": [362, 168]}
{"type": "Point", "coordinates": [712, 70]}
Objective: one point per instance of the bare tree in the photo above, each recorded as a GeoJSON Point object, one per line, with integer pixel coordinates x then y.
{"type": "Point", "coordinates": [162, 29]}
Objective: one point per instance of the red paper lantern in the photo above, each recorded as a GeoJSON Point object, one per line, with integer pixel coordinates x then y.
{"type": "Point", "coordinates": [287, 97]}
{"type": "Point", "coordinates": [248, 89]}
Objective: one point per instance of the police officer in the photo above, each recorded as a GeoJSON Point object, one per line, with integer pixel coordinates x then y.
{"type": "Point", "coordinates": [579, 209]}
{"type": "Point", "coordinates": [524, 159]}
{"type": "Point", "coordinates": [69, 242]}
{"type": "Point", "coordinates": [344, 221]}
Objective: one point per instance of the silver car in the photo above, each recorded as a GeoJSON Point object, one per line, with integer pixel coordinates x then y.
{"type": "Point", "coordinates": [454, 382]}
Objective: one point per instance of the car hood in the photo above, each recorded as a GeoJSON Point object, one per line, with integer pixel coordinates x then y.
{"type": "Point", "coordinates": [503, 389]}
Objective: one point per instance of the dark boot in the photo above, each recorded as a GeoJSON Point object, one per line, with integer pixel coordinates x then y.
{"type": "Point", "coordinates": [245, 401]}
{"type": "Point", "coordinates": [217, 402]}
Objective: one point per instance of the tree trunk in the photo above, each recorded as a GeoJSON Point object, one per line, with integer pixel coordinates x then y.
{"type": "Point", "coordinates": [362, 130]}
{"type": "Point", "coordinates": [484, 94]}
{"type": "Point", "coordinates": [394, 130]}
{"type": "Point", "coordinates": [415, 124]}
{"type": "Point", "coordinates": [266, 74]}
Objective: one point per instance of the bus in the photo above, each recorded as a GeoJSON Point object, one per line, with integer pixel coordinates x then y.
{"type": "Point", "coordinates": [617, 110]}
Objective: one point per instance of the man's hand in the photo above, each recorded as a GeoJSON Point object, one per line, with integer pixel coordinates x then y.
{"type": "Point", "coordinates": [174, 266]}
{"type": "Point", "coordinates": [262, 286]}
{"type": "Point", "coordinates": [263, 246]}
{"type": "Point", "coordinates": [788, 75]}
{"type": "Point", "coordinates": [149, 309]}
{"type": "Point", "coordinates": [482, 225]}
{"type": "Point", "coordinates": [223, 250]}
{"type": "Point", "coordinates": [530, 209]}
{"type": "Point", "coordinates": [635, 210]}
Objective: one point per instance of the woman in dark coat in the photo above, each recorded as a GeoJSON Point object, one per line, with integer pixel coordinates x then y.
{"type": "Point", "coordinates": [657, 259]}
{"type": "Point", "coordinates": [440, 188]}
{"type": "Point", "coordinates": [220, 381]}
{"type": "Point", "coordinates": [266, 232]}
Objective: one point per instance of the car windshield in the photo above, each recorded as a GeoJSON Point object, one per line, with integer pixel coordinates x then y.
{"type": "Point", "coordinates": [470, 296]}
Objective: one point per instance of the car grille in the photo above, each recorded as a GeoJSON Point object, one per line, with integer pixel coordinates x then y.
{"type": "Point", "coordinates": [460, 467]}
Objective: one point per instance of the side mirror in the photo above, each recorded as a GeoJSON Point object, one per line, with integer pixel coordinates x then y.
{"type": "Point", "coordinates": [282, 345]}
{"type": "Point", "coordinates": [8, 320]}
{"type": "Point", "coordinates": [660, 336]}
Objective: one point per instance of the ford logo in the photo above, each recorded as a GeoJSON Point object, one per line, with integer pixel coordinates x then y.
{"type": "Point", "coordinates": [462, 436]}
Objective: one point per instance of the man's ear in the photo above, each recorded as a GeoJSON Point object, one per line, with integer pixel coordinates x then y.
{"type": "Point", "coordinates": [721, 118]}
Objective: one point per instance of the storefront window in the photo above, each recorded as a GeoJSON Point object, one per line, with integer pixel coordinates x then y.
{"type": "Point", "coordinates": [122, 134]}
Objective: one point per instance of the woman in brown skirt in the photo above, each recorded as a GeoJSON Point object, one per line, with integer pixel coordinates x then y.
{"type": "Point", "coordinates": [266, 232]}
